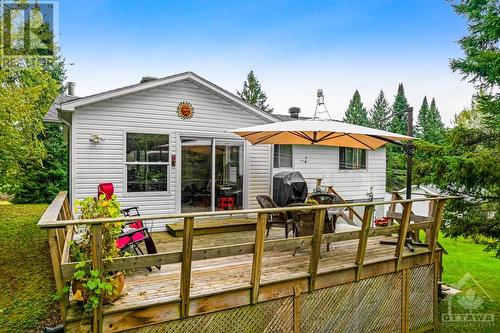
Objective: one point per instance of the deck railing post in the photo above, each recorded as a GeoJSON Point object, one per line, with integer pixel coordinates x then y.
{"type": "Point", "coordinates": [97, 325]}
{"type": "Point", "coordinates": [55, 258]}
{"type": "Point", "coordinates": [67, 238]}
{"type": "Point", "coordinates": [392, 207]}
{"type": "Point", "coordinates": [363, 239]}
{"type": "Point", "coordinates": [430, 213]}
{"type": "Point", "coordinates": [436, 225]}
{"type": "Point", "coordinates": [187, 256]}
{"type": "Point", "coordinates": [296, 309]}
{"type": "Point", "coordinates": [403, 230]}
{"type": "Point", "coordinates": [319, 220]}
{"type": "Point", "coordinates": [258, 254]}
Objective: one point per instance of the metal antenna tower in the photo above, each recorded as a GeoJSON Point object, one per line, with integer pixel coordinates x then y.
{"type": "Point", "coordinates": [320, 102]}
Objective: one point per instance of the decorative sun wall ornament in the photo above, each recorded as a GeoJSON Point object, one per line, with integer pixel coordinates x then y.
{"type": "Point", "coordinates": [185, 110]}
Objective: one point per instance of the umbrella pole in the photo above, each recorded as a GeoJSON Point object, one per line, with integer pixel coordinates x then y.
{"type": "Point", "coordinates": [409, 149]}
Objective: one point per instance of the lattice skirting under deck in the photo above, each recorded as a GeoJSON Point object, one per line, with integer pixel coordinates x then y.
{"type": "Point", "coordinates": [369, 305]}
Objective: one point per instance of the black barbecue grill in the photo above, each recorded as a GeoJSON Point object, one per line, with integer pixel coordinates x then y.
{"type": "Point", "coordinates": [289, 187]}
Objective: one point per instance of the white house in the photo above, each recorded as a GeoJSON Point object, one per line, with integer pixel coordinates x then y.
{"type": "Point", "coordinates": [164, 144]}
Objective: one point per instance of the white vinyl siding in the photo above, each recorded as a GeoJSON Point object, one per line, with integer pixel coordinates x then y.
{"type": "Point", "coordinates": [323, 162]}
{"type": "Point", "coordinates": [154, 111]}
{"type": "Point", "coordinates": [259, 166]}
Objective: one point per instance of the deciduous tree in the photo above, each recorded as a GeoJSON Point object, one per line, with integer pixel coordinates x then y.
{"type": "Point", "coordinates": [26, 93]}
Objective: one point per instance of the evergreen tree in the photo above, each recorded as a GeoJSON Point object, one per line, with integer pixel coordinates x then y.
{"type": "Point", "coordinates": [356, 112]}
{"type": "Point", "coordinates": [252, 93]}
{"type": "Point", "coordinates": [399, 122]}
{"type": "Point", "coordinates": [467, 162]}
{"type": "Point", "coordinates": [429, 124]}
{"type": "Point", "coordinates": [423, 115]}
{"type": "Point", "coordinates": [435, 127]}
{"type": "Point", "coordinates": [396, 158]}
{"type": "Point", "coordinates": [380, 112]}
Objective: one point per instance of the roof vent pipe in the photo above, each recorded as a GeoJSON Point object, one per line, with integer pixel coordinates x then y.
{"type": "Point", "coordinates": [294, 112]}
{"type": "Point", "coordinates": [71, 89]}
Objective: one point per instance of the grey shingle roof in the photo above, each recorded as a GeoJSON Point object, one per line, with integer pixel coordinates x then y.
{"type": "Point", "coordinates": [51, 115]}
{"type": "Point", "coordinates": [285, 117]}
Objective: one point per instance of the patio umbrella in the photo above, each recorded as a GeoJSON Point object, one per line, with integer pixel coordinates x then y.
{"type": "Point", "coordinates": [319, 132]}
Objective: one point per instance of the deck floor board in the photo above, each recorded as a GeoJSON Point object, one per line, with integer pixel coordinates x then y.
{"type": "Point", "coordinates": [219, 274]}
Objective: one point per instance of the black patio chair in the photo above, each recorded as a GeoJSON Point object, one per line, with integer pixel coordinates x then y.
{"type": "Point", "coordinates": [133, 232]}
{"type": "Point", "coordinates": [328, 199]}
{"type": "Point", "coordinates": [279, 219]}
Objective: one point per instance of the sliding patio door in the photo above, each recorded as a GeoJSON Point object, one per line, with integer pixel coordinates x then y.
{"type": "Point", "coordinates": [196, 175]}
{"type": "Point", "coordinates": [228, 174]}
{"type": "Point", "coordinates": [211, 174]}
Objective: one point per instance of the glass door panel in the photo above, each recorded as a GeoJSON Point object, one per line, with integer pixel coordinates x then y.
{"type": "Point", "coordinates": [228, 174]}
{"type": "Point", "coordinates": [196, 174]}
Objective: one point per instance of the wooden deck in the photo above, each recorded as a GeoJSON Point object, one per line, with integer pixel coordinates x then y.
{"type": "Point", "coordinates": [219, 275]}
{"type": "Point", "coordinates": [247, 281]}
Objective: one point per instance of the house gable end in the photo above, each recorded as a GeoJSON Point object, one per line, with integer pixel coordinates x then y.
{"type": "Point", "coordinates": [166, 81]}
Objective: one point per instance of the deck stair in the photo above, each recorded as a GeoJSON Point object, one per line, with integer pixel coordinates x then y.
{"type": "Point", "coordinates": [213, 226]}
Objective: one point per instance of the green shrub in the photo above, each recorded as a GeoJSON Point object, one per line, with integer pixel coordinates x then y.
{"type": "Point", "coordinates": [40, 184]}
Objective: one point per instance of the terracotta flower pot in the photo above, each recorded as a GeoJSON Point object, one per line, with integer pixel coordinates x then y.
{"type": "Point", "coordinates": [117, 280]}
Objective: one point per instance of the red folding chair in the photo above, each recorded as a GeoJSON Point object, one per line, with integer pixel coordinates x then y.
{"type": "Point", "coordinates": [134, 232]}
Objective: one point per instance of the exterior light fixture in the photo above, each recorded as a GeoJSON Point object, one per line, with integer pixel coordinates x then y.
{"type": "Point", "coordinates": [96, 139]}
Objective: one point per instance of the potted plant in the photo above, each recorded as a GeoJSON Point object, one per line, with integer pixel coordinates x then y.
{"type": "Point", "coordinates": [89, 285]}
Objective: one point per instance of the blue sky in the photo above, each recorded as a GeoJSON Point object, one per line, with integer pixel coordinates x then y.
{"type": "Point", "coordinates": [294, 47]}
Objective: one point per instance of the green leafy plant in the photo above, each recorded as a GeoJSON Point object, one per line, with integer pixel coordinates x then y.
{"type": "Point", "coordinates": [95, 284]}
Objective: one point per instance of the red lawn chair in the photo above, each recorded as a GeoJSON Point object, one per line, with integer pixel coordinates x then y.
{"type": "Point", "coordinates": [134, 232]}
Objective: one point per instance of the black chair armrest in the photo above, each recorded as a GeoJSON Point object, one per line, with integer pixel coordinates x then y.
{"type": "Point", "coordinates": [131, 232]}
{"type": "Point", "coordinates": [130, 222]}
{"type": "Point", "coordinates": [126, 210]}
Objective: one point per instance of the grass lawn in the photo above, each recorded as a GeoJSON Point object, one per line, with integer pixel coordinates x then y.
{"type": "Point", "coordinates": [26, 282]}
{"type": "Point", "coordinates": [481, 292]}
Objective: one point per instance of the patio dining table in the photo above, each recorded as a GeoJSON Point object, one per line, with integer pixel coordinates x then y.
{"type": "Point", "coordinates": [303, 221]}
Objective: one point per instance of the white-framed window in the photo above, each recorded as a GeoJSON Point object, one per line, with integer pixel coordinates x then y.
{"type": "Point", "coordinates": [147, 162]}
{"type": "Point", "coordinates": [283, 156]}
{"type": "Point", "coordinates": [352, 158]}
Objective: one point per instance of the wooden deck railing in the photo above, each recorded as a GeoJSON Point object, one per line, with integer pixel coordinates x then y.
{"type": "Point", "coordinates": [59, 222]}
{"type": "Point", "coordinates": [59, 238]}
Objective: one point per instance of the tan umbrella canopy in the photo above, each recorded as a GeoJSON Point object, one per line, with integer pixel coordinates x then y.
{"type": "Point", "coordinates": [319, 132]}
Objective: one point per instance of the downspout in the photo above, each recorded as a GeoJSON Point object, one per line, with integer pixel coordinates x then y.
{"type": "Point", "coordinates": [68, 156]}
